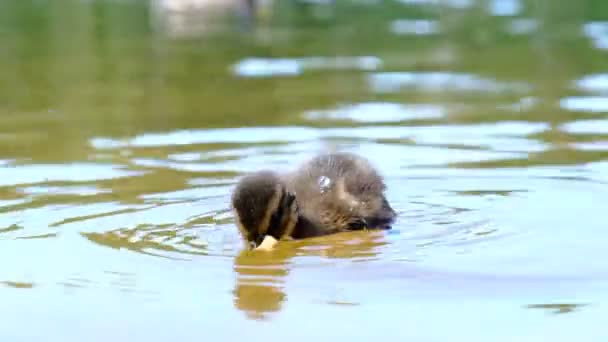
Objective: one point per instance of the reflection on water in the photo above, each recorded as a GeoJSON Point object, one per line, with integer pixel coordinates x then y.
{"type": "Point", "coordinates": [17, 285]}
{"type": "Point", "coordinates": [598, 33]}
{"type": "Point", "coordinates": [522, 26]}
{"type": "Point", "coordinates": [587, 127]}
{"type": "Point", "coordinates": [149, 240]}
{"type": "Point", "coordinates": [593, 83]}
{"type": "Point", "coordinates": [589, 104]}
{"type": "Point", "coordinates": [120, 145]}
{"type": "Point", "coordinates": [261, 276]}
{"type": "Point", "coordinates": [260, 282]}
{"type": "Point", "coordinates": [451, 3]}
{"type": "Point", "coordinates": [380, 112]}
{"type": "Point", "coordinates": [417, 27]}
{"type": "Point", "coordinates": [258, 67]}
{"type": "Point", "coordinates": [438, 82]}
{"type": "Point", "coordinates": [557, 308]}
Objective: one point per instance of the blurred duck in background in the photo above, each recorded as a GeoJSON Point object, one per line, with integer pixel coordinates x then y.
{"type": "Point", "coordinates": [184, 18]}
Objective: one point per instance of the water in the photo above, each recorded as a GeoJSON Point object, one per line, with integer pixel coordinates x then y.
{"type": "Point", "coordinates": [123, 129]}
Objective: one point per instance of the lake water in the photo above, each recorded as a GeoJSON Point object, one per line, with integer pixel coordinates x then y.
{"type": "Point", "coordinates": [124, 127]}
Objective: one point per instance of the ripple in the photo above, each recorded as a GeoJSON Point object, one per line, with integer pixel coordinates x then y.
{"type": "Point", "coordinates": [586, 127]}
{"type": "Point", "coordinates": [520, 26]}
{"type": "Point", "coordinates": [188, 156]}
{"type": "Point", "coordinates": [462, 4]}
{"type": "Point", "coordinates": [523, 104]}
{"type": "Point", "coordinates": [557, 308]}
{"type": "Point", "coordinates": [63, 190]}
{"type": "Point", "coordinates": [591, 146]}
{"type": "Point", "coordinates": [12, 202]}
{"type": "Point", "coordinates": [158, 240]}
{"type": "Point", "coordinates": [380, 112]}
{"type": "Point", "coordinates": [75, 172]}
{"type": "Point", "coordinates": [237, 159]}
{"type": "Point", "coordinates": [207, 181]}
{"type": "Point", "coordinates": [426, 145]}
{"type": "Point", "coordinates": [597, 31]}
{"type": "Point", "coordinates": [488, 233]}
{"type": "Point", "coordinates": [448, 133]}
{"type": "Point", "coordinates": [188, 5]}
{"type": "Point", "coordinates": [243, 164]}
{"type": "Point", "coordinates": [211, 136]}
{"type": "Point", "coordinates": [298, 134]}
{"type": "Point", "coordinates": [12, 228]}
{"type": "Point", "coordinates": [414, 26]}
{"type": "Point", "coordinates": [189, 194]}
{"type": "Point", "coordinates": [260, 67]}
{"type": "Point", "coordinates": [269, 67]}
{"type": "Point", "coordinates": [40, 221]}
{"type": "Point", "coordinates": [439, 82]}
{"type": "Point", "coordinates": [594, 104]}
{"type": "Point", "coordinates": [597, 83]}
{"type": "Point", "coordinates": [505, 8]}
{"type": "Point", "coordinates": [107, 143]}
{"type": "Point", "coordinates": [393, 157]}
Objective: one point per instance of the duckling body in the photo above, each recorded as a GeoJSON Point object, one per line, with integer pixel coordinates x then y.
{"type": "Point", "coordinates": [327, 194]}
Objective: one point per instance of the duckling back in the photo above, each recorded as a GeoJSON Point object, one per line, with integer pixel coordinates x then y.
{"type": "Point", "coordinates": [337, 192]}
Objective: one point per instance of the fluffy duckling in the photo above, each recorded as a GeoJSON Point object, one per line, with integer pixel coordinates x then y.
{"type": "Point", "coordinates": [329, 193]}
{"type": "Point", "coordinates": [263, 207]}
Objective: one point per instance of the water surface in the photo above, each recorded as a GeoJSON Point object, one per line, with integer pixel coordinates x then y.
{"type": "Point", "coordinates": [124, 127]}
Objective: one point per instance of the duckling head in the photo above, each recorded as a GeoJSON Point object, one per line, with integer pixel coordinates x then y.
{"type": "Point", "coordinates": [264, 209]}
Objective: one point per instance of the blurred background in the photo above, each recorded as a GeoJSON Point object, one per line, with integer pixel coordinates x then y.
{"type": "Point", "coordinates": [124, 125]}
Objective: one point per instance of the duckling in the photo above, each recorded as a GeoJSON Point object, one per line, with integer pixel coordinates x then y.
{"type": "Point", "coordinates": [263, 207]}
{"type": "Point", "coordinates": [328, 194]}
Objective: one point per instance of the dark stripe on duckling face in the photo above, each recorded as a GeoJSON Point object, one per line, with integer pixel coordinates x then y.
{"type": "Point", "coordinates": [283, 220]}
{"type": "Point", "coordinates": [290, 219]}
{"type": "Point", "coordinates": [272, 207]}
{"type": "Point", "coordinates": [255, 200]}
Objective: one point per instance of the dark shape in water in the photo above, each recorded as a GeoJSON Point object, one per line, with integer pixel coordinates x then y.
{"type": "Point", "coordinates": [556, 308]}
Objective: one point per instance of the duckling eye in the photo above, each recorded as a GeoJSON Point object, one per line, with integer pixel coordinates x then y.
{"type": "Point", "coordinates": [357, 224]}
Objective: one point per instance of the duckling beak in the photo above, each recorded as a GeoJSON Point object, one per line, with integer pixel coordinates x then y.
{"type": "Point", "coordinates": [268, 243]}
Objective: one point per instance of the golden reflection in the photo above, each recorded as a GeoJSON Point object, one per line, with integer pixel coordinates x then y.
{"type": "Point", "coordinates": [260, 280]}
{"type": "Point", "coordinates": [151, 239]}
{"type": "Point", "coordinates": [349, 245]}
{"type": "Point", "coordinates": [17, 284]}
{"type": "Point", "coordinates": [260, 275]}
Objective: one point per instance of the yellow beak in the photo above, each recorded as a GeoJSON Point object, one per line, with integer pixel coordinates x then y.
{"type": "Point", "coordinates": [268, 243]}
